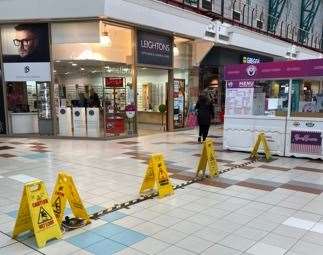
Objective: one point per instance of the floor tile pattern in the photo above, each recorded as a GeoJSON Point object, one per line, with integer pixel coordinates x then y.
{"type": "Point", "coordinates": [264, 208]}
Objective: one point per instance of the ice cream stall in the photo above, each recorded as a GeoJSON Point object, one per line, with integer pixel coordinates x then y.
{"type": "Point", "coordinates": [282, 99]}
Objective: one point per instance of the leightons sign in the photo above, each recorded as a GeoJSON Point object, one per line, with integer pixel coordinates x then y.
{"type": "Point", "coordinates": [154, 49]}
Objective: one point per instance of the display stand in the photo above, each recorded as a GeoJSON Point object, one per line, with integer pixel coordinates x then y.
{"type": "Point", "coordinates": [44, 108]}
{"type": "Point", "coordinates": [65, 121]}
{"type": "Point", "coordinates": [115, 106]}
{"type": "Point", "coordinates": [79, 122]}
{"type": "Point", "coordinates": [93, 122]}
{"type": "Point", "coordinates": [179, 103]}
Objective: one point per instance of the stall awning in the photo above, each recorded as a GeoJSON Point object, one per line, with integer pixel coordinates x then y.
{"type": "Point", "coordinates": [275, 70]}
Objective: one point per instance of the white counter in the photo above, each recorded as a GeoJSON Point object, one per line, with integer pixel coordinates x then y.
{"type": "Point", "coordinates": [240, 134]}
{"type": "Point", "coordinates": [307, 129]}
{"type": "Point", "coordinates": [24, 123]}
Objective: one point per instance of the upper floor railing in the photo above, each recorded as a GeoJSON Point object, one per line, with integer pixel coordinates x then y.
{"type": "Point", "coordinates": [254, 18]}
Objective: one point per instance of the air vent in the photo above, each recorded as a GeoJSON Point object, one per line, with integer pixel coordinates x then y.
{"type": "Point", "coordinates": [210, 34]}
{"type": "Point", "coordinates": [193, 3]}
{"type": "Point", "coordinates": [211, 30]}
{"type": "Point", "coordinates": [224, 37]}
{"type": "Point", "coordinates": [207, 5]}
{"type": "Point", "coordinates": [260, 24]}
{"type": "Point", "coordinates": [236, 15]}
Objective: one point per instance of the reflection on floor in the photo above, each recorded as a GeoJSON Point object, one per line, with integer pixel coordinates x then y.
{"type": "Point", "coordinates": [150, 129]}
{"type": "Point", "coordinates": [264, 209]}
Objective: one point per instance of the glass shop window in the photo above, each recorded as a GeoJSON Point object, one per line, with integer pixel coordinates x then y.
{"type": "Point", "coordinates": [307, 99]}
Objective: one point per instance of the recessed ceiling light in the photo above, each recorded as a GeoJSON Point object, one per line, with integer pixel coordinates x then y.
{"type": "Point", "coordinates": [54, 71]}
{"type": "Point", "coordinates": [74, 64]}
{"type": "Point", "coordinates": [57, 61]}
{"type": "Point", "coordinates": [82, 69]}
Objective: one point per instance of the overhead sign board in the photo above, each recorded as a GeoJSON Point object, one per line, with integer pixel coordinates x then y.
{"type": "Point", "coordinates": [154, 49]}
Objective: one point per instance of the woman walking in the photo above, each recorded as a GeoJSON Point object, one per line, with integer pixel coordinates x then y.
{"type": "Point", "coordinates": [205, 113]}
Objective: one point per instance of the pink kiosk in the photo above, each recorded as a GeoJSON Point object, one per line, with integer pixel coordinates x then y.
{"type": "Point", "coordinates": [282, 99]}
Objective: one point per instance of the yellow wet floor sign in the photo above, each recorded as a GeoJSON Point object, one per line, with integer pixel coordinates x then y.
{"type": "Point", "coordinates": [156, 177]}
{"type": "Point", "coordinates": [208, 158]}
{"type": "Point", "coordinates": [65, 190]}
{"type": "Point", "coordinates": [36, 214]}
{"type": "Point", "coordinates": [261, 140]}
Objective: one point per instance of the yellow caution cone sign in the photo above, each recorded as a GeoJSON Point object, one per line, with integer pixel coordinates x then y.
{"type": "Point", "coordinates": [208, 158]}
{"type": "Point", "coordinates": [157, 177]}
{"type": "Point", "coordinates": [65, 190]}
{"type": "Point", "coordinates": [36, 214]}
{"type": "Point", "coordinates": [261, 139]}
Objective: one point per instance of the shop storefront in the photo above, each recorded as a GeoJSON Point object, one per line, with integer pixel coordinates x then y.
{"type": "Point", "coordinates": [27, 78]}
{"type": "Point", "coordinates": [282, 99]}
{"type": "Point", "coordinates": [92, 66]}
{"type": "Point", "coordinates": [2, 108]}
{"type": "Point", "coordinates": [211, 72]}
{"type": "Point", "coordinates": [93, 79]}
{"type": "Point", "coordinates": [163, 80]}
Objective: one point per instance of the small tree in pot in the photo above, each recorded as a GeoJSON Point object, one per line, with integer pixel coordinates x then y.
{"type": "Point", "coordinates": [162, 109]}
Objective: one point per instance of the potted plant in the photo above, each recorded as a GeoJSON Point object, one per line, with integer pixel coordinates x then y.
{"type": "Point", "coordinates": [162, 109]}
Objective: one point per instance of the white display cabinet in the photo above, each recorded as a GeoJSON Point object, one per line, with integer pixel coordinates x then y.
{"type": "Point", "coordinates": [65, 121]}
{"type": "Point", "coordinates": [79, 121]}
{"type": "Point", "coordinates": [93, 122]}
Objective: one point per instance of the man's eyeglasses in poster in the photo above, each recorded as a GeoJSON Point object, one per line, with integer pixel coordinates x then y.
{"type": "Point", "coordinates": [23, 42]}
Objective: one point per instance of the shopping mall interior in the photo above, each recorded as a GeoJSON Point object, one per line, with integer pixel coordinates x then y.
{"type": "Point", "coordinates": [161, 127]}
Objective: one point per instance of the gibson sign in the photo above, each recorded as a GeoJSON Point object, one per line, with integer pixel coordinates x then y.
{"type": "Point", "coordinates": [154, 49]}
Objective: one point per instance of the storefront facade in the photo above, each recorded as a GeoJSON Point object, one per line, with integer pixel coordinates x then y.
{"type": "Point", "coordinates": [283, 100]}
{"type": "Point", "coordinates": [93, 78]}
{"type": "Point", "coordinates": [212, 72]}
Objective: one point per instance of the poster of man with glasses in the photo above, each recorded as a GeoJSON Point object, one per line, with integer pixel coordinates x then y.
{"type": "Point", "coordinates": [25, 50]}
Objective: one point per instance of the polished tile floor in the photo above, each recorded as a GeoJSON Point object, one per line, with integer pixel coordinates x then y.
{"type": "Point", "coordinates": [261, 209]}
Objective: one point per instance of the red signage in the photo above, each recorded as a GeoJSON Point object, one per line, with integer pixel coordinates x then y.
{"type": "Point", "coordinates": [114, 82]}
{"type": "Point", "coordinates": [115, 125]}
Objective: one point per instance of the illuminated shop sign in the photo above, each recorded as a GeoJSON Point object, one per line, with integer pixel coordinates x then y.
{"type": "Point", "coordinates": [154, 49]}
{"type": "Point", "coordinates": [116, 82]}
{"type": "Point", "coordinates": [250, 60]}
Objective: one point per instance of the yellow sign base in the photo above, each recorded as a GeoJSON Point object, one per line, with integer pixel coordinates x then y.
{"type": "Point", "coordinates": [65, 190]}
{"type": "Point", "coordinates": [208, 158]}
{"type": "Point", "coordinates": [261, 140]}
{"type": "Point", "coordinates": [36, 214]}
{"type": "Point", "coordinates": [157, 177]}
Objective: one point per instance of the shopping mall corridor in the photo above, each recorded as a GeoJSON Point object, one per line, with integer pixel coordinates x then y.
{"type": "Point", "coordinates": [265, 208]}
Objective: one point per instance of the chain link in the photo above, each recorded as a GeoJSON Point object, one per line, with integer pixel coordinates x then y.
{"type": "Point", "coordinates": [68, 224]}
{"type": "Point", "coordinates": [143, 198]}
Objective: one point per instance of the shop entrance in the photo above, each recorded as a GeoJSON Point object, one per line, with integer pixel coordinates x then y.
{"type": "Point", "coordinates": [152, 85]}
{"type": "Point", "coordinates": [29, 107]}
{"type": "Point", "coordinates": [2, 109]}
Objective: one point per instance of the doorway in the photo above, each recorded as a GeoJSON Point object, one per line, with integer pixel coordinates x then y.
{"type": "Point", "coordinates": [152, 86]}
{"type": "Point", "coordinates": [2, 109]}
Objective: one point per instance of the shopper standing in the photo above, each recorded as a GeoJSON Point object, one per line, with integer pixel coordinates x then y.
{"type": "Point", "coordinates": [94, 99]}
{"type": "Point", "coordinates": [205, 113]}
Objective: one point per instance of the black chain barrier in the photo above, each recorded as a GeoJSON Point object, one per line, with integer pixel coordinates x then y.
{"type": "Point", "coordinates": [71, 223]}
